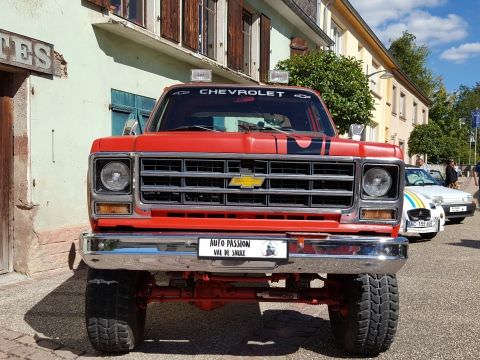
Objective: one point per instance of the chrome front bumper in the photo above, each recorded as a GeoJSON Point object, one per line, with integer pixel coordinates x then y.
{"type": "Point", "coordinates": [339, 254]}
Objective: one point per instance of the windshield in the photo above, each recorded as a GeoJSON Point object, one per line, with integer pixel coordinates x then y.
{"type": "Point", "coordinates": [230, 109]}
{"type": "Point", "coordinates": [418, 177]}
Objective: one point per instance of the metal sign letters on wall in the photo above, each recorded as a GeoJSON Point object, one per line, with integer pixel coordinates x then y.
{"type": "Point", "coordinates": [24, 52]}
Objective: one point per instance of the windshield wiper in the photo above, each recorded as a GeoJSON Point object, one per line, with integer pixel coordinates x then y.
{"type": "Point", "coordinates": [192, 127]}
{"type": "Point", "coordinates": [253, 127]}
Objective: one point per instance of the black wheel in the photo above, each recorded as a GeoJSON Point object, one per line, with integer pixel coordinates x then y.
{"type": "Point", "coordinates": [428, 236]}
{"type": "Point", "coordinates": [456, 220]}
{"type": "Point", "coordinates": [115, 321]}
{"type": "Point", "coordinates": [366, 322]}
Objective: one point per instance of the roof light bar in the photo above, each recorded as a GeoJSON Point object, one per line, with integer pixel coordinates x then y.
{"type": "Point", "coordinates": [201, 75]}
{"type": "Point", "coordinates": [278, 76]}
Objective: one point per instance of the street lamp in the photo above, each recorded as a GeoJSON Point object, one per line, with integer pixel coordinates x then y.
{"type": "Point", "coordinates": [386, 74]}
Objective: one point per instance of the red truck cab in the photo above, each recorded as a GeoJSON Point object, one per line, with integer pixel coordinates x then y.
{"type": "Point", "coordinates": [232, 184]}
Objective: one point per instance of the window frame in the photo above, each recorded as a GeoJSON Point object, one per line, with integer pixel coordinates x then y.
{"type": "Point", "coordinates": [124, 11]}
{"type": "Point", "coordinates": [402, 105]}
{"type": "Point", "coordinates": [374, 83]}
{"type": "Point", "coordinates": [394, 100]}
{"type": "Point", "coordinates": [203, 29]}
{"type": "Point", "coordinates": [247, 13]}
{"type": "Point", "coordinates": [415, 113]}
{"type": "Point", "coordinates": [336, 34]}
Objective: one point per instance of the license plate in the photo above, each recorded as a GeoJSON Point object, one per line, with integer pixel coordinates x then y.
{"type": "Point", "coordinates": [246, 249]}
{"type": "Point", "coordinates": [421, 224]}
{"type": "Point", "coordinates": [458, 208]}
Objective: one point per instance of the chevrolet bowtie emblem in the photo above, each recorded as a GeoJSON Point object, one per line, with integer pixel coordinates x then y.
{"type": "Point", "coordinates": [247, 181]}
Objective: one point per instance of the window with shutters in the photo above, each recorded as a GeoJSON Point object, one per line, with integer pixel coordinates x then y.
{"type": "Point", "coordinates": [247, 21]}
{"type": "Point", "coordinates": [235, 35]}
{"type": "Point", "coordinates": [127, 106]}
{"type": "Point", "coordinates": [265, 24]}
{"type": "Point", "coordinates": [132, 10]}
{"type": "Point", "coordinates": [170, 20]}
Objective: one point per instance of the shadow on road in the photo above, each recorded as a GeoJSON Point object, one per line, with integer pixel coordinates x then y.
{"type": "Point", "coordinates": [474, 244]}
{"type": "Point", "coordinates": [178, 328]}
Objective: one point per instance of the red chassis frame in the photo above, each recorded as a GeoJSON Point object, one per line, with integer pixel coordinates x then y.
{"type": "Point", "coordinates": [208, 292]}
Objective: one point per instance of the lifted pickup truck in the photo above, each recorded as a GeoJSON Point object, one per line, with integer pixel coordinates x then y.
{"type": "Point", "coordinates": [243, 185]}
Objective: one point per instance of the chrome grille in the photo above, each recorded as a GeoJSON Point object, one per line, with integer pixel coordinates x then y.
{"type": "Point", "coordinates": [419, 214]}
{"type": "Point", "coordinates": [289, 183]}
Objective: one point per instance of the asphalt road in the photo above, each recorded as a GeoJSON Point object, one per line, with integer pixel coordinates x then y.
{"type": "Point", "coordinates": [439, 316]}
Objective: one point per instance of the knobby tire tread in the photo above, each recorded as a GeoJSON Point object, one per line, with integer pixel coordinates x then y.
{"type": "Point", "coordinates": [113, 324]}
{"type": "Point", "coordinates": [370, 327]}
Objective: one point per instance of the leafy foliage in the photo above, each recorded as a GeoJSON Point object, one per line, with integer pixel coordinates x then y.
{"type": "Point", "coordinates": [340, 81]}
{"type": "Point", "coordinates": [425, 139]}
{"type": "Point", "coordinates": [412, 60]}
{"type": "Point", "coordinates": [467, 100]}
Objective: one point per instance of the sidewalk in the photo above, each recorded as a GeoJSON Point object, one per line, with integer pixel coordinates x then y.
{"type": "Point", "coordinates": [33, 321]}
{"type": "Point", "coordinates": [15, 345]}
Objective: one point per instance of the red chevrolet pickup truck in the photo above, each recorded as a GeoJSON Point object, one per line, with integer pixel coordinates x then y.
{"type": "Point", "coordinates": [230, 189]}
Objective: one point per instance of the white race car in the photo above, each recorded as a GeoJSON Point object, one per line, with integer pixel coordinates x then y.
{"type": "Point", "coordinates": [456, 204]}
{"type": "Point", "coordinates": [421, 216]}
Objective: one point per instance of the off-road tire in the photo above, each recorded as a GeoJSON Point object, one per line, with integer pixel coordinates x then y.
{"type": "Point", "coordinates": [428, 236]}
{"type": "Point", "coordinates": [368, 322]}
{"type": "Point", "coordinates": [456, 220]}
{"type": "Point", "coordinates": [115, 322]}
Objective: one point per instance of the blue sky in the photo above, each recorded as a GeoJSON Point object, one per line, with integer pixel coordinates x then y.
{"type": "Point", "coordinates": [450, 28]}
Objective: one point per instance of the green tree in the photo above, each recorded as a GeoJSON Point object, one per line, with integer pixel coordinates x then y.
{"type": "Point", "coordinates": [426, 139]}
{"type": "Point", "coordinates": [442, 110]}
{"type": "Point", "coordinates": [467, 99]}
{"type": "Point", "coordinates": [340, 81]}
{"type": "Point", "coordinates": [412, 60]}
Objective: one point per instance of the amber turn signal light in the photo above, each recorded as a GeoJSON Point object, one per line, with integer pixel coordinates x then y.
{"type": "Point", "coordinates": [112, 209]}
{"type": "Point", "coordinates": [378, 214]}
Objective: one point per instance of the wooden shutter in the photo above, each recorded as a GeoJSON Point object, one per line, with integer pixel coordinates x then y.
{"type": "Point", "coordinates": [102, 3]}
{"type": "Point", "coordinates": [235, 34]}
{"type": "Point", "coordinates": [170, 20]}
{"type": "Point", "coordinates": [298, 46]}
{"type": "Point", "coordinates": [265, 25]}
{"type": "Point", "coordinates": [190, 24]}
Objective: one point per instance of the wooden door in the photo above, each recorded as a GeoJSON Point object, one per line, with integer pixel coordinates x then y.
{"type": "Point", "coordinates": [6, 155]}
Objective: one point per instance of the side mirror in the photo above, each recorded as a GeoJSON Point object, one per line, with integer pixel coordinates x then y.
{"type": "Point", "coordinates": [130, 127]}
{"type": "Point", "coordinates": [355, 131]}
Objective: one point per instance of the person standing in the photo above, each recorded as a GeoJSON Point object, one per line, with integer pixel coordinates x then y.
{"type": "Point", "coordinates": [476, 176]}
{"type": "Point", "coordinates": [423, 165]}
{"type": "Point", "coordinates": [451, 176]}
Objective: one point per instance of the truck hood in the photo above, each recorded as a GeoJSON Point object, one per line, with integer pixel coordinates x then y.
{"type": "Point", "coordinates": [248, 143]}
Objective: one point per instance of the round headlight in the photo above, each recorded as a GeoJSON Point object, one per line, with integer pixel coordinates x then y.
{"type": "Point", "coordinates": [115, 176]}
{"type": "Point", "coordinates": [377, 182]}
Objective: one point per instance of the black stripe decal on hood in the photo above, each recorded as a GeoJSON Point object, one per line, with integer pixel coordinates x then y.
{"type": "Point", "coordinates": [314, 148]}
{"type": "Point", "coordinates": [327, 147]}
